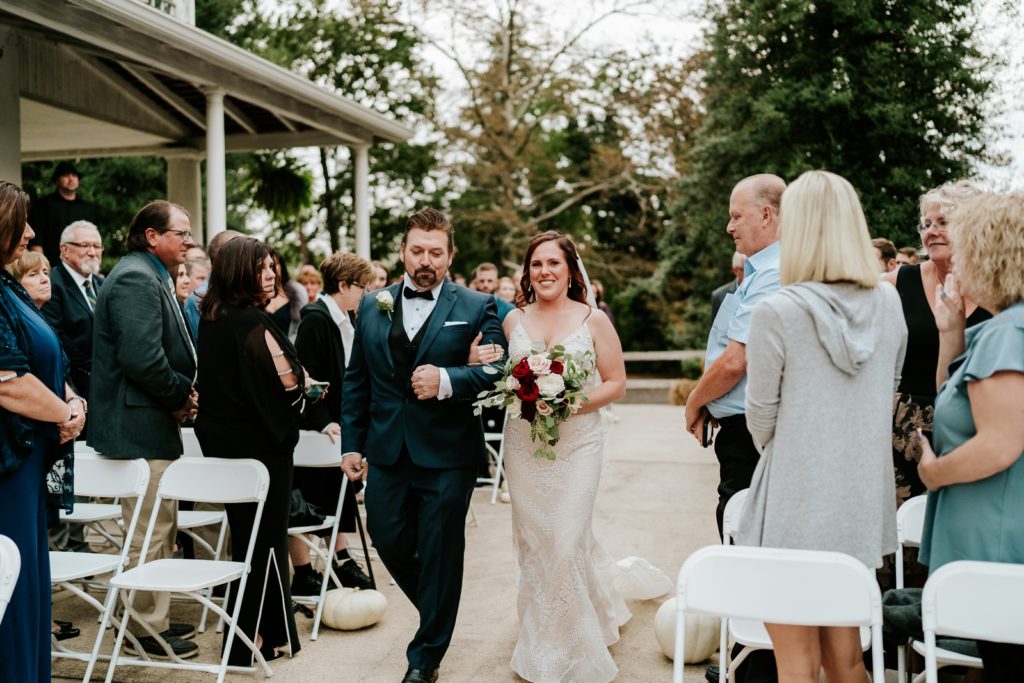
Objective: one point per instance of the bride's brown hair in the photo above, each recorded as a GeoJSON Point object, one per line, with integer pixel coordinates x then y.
{"type": "Point", "coordinates": [577, 285]}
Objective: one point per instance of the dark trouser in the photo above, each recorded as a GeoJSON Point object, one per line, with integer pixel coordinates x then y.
{"type": "Point", "coordinates": [1003, 662]}
{"type": "Point", "coordinates": [417, 519]}
{"type": "Point", "coordinates": [737, 458]}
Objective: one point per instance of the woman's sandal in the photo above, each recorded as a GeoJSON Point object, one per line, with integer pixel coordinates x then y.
{"type": "Point", "coordinates": [271, 653]}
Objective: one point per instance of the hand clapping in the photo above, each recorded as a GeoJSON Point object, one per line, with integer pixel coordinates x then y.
{"type": "Point", "coordinates": [950, 314]}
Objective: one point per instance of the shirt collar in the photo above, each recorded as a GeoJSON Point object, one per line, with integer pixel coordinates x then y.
{"type": "Point", "coordinates": [436, 289]}
{"type": "Point", "coordinates": [764, 257]}
{"type": "Point", "coordinates": [161, 268]}
{"type": "Point", "coordinates": [337, 315]}
{"type": "Point", "coordinates": [75, 275]}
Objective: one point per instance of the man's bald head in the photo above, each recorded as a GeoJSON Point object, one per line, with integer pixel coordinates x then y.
{"type": "Point", "coordinates": [754, 212]}
{"type": "Point", "coordinates": [765, 189]}
{"type": "Point", "coordinates": [218, 241]}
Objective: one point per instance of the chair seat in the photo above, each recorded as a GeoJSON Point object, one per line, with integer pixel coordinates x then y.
{"type": "Point", "coordinates": [91, 512]}
{"type": "Point", "coordinates": [948, 657]}
{"type": "Point", "coordinates": [178, 575]}
{"type": "Point", "coordinates": [190, 519]}
{"type": "Point", "coordinates": [753, 634]}
{"type": "Point", "coordinates": [328, 523]}
{"type": "Point", "coordinates": [68, 566]}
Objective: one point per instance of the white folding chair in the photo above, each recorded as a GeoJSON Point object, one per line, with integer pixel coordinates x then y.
{"type": "Point", "coordinates": [494, 442]}
{"type": "Point", "coordinates": [797, 587]}
{"type": "Point", "coordinates": [107, 478]}
{"type": "Point", "coordinates": [10, 567]}
{"type": "Point", "coordinates": [977, 600]}
{"type": "Point", "coordinates": [211, 480]}
{"type": "Point", "coordinates": [93, 515]}
{"type": "Point", "coordinates": [909, 530]}
{"type": "Point", "coordinates": [316, 450]}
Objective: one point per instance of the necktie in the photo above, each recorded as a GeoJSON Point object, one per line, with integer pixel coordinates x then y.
{"type": "Point", "coordinates": [416, 294]}
{"type": "Point", "coordinates": [90, 293]}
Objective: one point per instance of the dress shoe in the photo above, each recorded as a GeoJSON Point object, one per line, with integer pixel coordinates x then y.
{"type": "Point", "coordinates": [711, 674]}
{"type": "Point", "coordinates": [420, 676]}
{"type": "Point", "coordinates": [306, 584]}
{"type": "Point", "coordinates": [64, 630]}
{"type": "Point", "coordinates": [184, 631]}
{"type": "Point", "coordinates": [154, 648]}
{"type": "Point", "coordinates": [352, 575]}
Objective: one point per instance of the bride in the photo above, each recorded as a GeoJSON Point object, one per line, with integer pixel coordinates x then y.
{"type": "Point", "coordinates": [569, 611]}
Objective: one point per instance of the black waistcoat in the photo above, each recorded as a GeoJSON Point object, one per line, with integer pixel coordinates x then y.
{"type": "Point", "coordinates": [403, 351]}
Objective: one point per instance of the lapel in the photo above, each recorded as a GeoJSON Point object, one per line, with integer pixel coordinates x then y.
{"type": "Point", "coordinates": [176, 313]}
{"type": "Point", "coordinates": [385, 322]}
{"type": "Point", "coordinates": [71, 287]}
{"type": "Point", "coordinates": [445, 301]}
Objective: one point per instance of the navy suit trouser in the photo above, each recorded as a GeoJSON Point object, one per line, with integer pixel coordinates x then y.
{"type": "Point", "coordinates": [417, 519]}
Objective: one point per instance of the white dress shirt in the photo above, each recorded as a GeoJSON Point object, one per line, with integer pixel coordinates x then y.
{"type": "Point", "coordinates": [414, 315]}
{"type": "Point", "coordinates": [80, 281]}
{"type": "Point", "coordinates": [344, 323]}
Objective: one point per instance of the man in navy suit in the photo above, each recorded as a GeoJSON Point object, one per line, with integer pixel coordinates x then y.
{"type": "Point", "coordinates": [407, 408]}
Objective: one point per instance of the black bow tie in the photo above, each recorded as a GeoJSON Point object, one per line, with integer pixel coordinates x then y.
{"type": "Point", "coordinates": [416, 294]}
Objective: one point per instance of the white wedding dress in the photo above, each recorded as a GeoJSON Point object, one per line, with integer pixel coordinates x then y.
{"type": "Point", "coordinates": [571, 601]}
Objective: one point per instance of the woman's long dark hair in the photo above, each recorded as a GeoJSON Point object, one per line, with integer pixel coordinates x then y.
{"type": "Point", "coordinates": [13, 217]}
{"type": "Point", "coordinates": [577, 286]}
{"type": "Point", "coordinates": [235, 280]}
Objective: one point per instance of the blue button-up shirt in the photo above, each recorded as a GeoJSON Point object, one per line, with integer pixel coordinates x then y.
{"type": "Point", "coordinates": [760, 278]}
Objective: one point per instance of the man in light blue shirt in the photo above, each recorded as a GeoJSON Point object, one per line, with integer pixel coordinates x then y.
{"type": "Point", "coordinates": [720, 394]}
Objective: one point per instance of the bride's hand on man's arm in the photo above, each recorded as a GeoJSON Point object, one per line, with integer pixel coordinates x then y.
{"type": "Point", "coordinates": [484, 354]}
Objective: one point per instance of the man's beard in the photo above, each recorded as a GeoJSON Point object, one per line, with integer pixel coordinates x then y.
{"type": "Point", "coordinates": [426, 277]}
{"type": "Point", "coordinates": [90, 266]}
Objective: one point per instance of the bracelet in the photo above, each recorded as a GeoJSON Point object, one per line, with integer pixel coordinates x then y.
{"type": "Point", "coordinates": [85, 404]}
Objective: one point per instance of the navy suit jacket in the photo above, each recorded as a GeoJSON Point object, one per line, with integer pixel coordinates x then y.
{"type": "Point", "coordinates": [70, 315]}
{"type": "Point", "coordinates": [379, 415]}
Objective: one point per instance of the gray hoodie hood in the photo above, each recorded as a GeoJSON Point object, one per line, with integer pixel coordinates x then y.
{"type": "Point", "coordinates": [845, 319]}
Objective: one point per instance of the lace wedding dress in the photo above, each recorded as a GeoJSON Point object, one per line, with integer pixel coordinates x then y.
{"type": "Point", "coordinates": [570, 600]}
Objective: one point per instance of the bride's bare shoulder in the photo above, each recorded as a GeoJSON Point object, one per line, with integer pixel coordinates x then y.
{"type": "Point", "coordinates": [512, 319]}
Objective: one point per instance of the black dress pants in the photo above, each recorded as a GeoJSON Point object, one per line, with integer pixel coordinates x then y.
{"type": "Point", "coordinates": [737, 459]}
{"type": "Point", "coordinates": [417, 520]}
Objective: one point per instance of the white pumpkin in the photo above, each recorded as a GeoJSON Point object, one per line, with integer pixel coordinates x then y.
{"type": "Point", "coordinates": [702, 633]}
{"type": "Point", "coordinates": [348, 609]}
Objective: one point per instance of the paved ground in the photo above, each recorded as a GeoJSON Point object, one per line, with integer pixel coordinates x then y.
{"type": "Point", "coordinates": [657, 501]}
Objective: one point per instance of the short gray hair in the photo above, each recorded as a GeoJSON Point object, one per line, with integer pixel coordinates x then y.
{"type": "Point", "coordinates": [65, 236]}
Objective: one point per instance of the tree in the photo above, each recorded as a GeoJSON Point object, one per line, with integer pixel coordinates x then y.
{"type": "Point", "coordinates": [891, 95]}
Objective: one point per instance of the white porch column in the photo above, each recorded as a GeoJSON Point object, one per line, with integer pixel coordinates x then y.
{"type": "Point", "coordinates": [362, 200]}
{"type": "Point", "coordinates": [10, 107]}
{"type": "Point", "coordinates": [216, 192]}
{"type": "Point", "coordinates": [185, 187]}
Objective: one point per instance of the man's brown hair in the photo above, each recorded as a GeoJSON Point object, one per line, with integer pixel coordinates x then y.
{"type": "Point", "coordinates": [431, 219]}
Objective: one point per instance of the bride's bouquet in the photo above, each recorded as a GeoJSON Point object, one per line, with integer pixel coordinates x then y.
{"type": "Point", "coordinates": [544, 388]}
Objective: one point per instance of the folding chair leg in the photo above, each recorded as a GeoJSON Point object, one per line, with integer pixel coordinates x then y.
{"type": "Point", "coordinates": [216, 556]}
{"type": "Point", "coordinates": [499, 472]}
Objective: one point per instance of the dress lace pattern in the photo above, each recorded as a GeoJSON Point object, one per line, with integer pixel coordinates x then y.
{"type": "Point", "coordinates": [569, 610]}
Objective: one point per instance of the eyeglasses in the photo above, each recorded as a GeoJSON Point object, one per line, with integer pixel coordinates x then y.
{"type": "Point", "coordinates": [86, 245]}
{"type": "Point", "coordinates": [183, 235]}
{"type": "Point", "coordinates": [926, 225]}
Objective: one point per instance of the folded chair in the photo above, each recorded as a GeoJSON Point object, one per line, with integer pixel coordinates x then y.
{"type": "Point", "coordinates": [209, 480]}
{"type": "Point", "coordinates": [10, 567]}
{"type": "Point", "coordinates": [979, 600]}
{"type": "Point", "coordinates": [107, 478]}
{"type": "Point", "coordinates": [797, 587]}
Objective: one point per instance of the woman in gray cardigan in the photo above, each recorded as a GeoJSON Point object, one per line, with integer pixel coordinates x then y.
{"type": "Point", "coordinates": [824, 357]}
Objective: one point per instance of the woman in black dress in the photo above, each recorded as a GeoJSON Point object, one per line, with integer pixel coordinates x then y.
{"type": "Point", "coordinates": [252, 388]}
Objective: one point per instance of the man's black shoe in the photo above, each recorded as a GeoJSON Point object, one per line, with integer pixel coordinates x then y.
{"type": "Point", "coordinates": [420, 676]}
{"type": "Point", "coordinates": [154, 648]}
{"type": "Point", "coordinates": [711, 674]}
{"type": "Point", "coordinates": [306, 584]}
{"type": "Point", "coordinates": [352, 575]}
{"type": "Point", "coordinates": [184, 631]}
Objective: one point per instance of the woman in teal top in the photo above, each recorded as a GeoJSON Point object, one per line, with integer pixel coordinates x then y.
{"type": "Point", "coordinates": [976, 482]}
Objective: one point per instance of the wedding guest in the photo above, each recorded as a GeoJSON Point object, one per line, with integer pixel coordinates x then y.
{"type": "Point", "coordinates": [198, 263]}
{"type": "Point", "coordinates": [485, 279]}
{"type": "Point", "coordinates": [598, 288]}
{"type": "Point", "coordinates": [289, 297]}
{"type": "Point", "coordinates": [823, 357]}
{"type": "Point", "coordinates": [976, 483]}
{"type": "Point", "coordinates": [324, 344]}
{"type": "Point", "coordinates": [915, 396]}
{"type": "Point", "coordinates": [907, 256]}
{"type": "Point", "coordinates": [885, 252]}
{"type": "Point", "coordinates": [52, 213]}
{"type": "Point", "coordinates": [506, 290]}
{"type": "Point", "coordinates": [39, 418]}
{"type": "Point", "coordinates": [312, 281]}
{"type": "Point", "coordinates": [192, 302]}
{"type": "Point", "coordinates": [252, 387]}
{"type": "Point", "coordinates": [32, 271]}
{"type": "Point", "coordinates": [719, 294]}
{"type": "Point", "coordinates": [182, 284]}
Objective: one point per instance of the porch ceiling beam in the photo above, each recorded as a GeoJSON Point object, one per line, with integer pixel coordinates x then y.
{"type": "Point", "coordinates": [166, 94]}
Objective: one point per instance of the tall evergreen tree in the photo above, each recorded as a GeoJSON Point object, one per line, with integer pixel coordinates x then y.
{"type": "Point", "coordinates": [890, 94]}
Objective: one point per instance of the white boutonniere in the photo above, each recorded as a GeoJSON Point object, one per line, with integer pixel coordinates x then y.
{"type": "Point", "coordinates": [385, 303]}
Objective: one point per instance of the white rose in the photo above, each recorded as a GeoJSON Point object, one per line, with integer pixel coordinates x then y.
{"type": "Point", "coordinates": [539, 364]}
{"type": "Point", "coordinates": [511, 384]}
{"type": "Point", "coordinates": [543, 408]}
{"type": "Point", "coordinates": [515, 409]}
{"type": "Point", "coordinates": [550, 385]}
{"type": "Point", "coordinates": [384, 301]}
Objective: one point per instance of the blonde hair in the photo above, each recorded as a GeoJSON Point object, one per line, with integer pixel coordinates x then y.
{"type": "Point", "coordinates": [987, 235]}
{"type": "Point", "coordinates": [26, 263]}
{"type": "Point", "coordinates": [823, 232]}
{"type": "Point", "coordinates": [948, 196]}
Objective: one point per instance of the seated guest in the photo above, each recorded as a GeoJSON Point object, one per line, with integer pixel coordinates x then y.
{"type": "Point", "coordinates": [324, 343]}
{"type": "Point", "coordinates": [32, 271]}
{"type": "Point", "coordinates": [823, 358]}
{"type": "Point", "coordinates": [39, 418]}
{"type": "Point", "coordinates": [976, 483]}
{"type": "Point", "coordinates": [252, 386]}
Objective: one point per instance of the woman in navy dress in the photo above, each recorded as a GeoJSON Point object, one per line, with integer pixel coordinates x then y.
{"type": "Point", "coordinates": [39, 419]}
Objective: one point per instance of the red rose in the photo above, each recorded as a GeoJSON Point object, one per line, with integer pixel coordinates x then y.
{"type": "Point", "coordinates": [522, 370]}
{"type": "Point", "coordinates": [556, 367]}
{"type": "Point", "coordinates": [528, 392]}
{"type": "Point", "coordinates": [529, 411]}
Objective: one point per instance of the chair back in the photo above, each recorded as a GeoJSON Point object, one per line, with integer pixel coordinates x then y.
{"type": "Point", "coordinates": [190, 443]}
{"type": "Point", "coordinates": [731, 515]}
{"type": "Point", "coordinates": [910, 521]}
{"type": "Point", "coordinates": [10, 567]}
{"type": "Point", "coordinates": [976, 600]}
{"type": "Point", "coordinates": [82, 450]}
{"type": "Point", "coordinates": [316, 450]}
{"type": "Point", "coordinates": [107, 478]}
{"type": "Point", "coordinates": [215, 480]}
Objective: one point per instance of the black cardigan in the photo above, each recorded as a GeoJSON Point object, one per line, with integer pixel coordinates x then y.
{"type": "Point", "coordinates": [322, 353]}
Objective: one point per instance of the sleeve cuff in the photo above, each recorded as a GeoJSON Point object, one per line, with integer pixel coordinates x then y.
{"type": "Point", "coordinates": [445, 390]}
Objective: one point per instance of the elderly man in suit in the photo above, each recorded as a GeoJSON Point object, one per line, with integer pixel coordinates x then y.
{"type": "Point", "coordinates": [144, 366]}
{"type": "Point", "coordinates": [408, 408]}
{"type": "Point", "coordinates": [718, 296]}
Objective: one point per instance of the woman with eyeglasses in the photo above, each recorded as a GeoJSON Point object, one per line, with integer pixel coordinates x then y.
{"type": "Point", "coordinates": [915, 396]}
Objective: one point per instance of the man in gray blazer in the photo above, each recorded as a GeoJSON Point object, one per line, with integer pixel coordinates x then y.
{"type": "Point", "coordinates": [143, 369]}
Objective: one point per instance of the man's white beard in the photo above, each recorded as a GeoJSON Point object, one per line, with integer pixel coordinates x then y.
{"type": "Point", "coordinates": [90, 267]}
